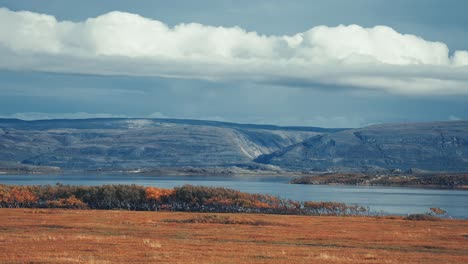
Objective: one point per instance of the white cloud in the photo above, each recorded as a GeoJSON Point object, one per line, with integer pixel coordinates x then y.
{"type": "Point", "coordinates": [454, 118]}
{"type": "Point", "coordinates": [460, 58]}
{"type": "Point", "coordinates": [123, 43]}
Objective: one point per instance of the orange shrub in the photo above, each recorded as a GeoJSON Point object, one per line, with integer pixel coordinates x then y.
{"type": "Point", "coordinates": [158, 194]}
{"type": "Point", "coordinates": [4, 193]}
{"type": "Point", "coordinates": [220, 201]}
{"type": "Point", "coordinates": [71, 202]}
{"type": "Point", "coordinates": [258, 204]}
{"type": "Point", "coordinates": [20, 196]}
{"type": "Point", "coordinates": [437, 211]}
{"type": "Point", "coordinates": [329, 208]}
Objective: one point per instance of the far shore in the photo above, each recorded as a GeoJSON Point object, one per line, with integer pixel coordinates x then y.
{"type": "Point", "coordinates": [426, 180]}
{"type": "Point", "coordinates": [429, 180]}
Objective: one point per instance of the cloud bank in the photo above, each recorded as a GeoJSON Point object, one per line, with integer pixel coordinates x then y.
{"type": "Point", "coordinates": [119, 43]}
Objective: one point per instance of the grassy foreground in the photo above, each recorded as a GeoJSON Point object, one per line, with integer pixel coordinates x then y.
{"type": "Point", "coordinates": [110, 236]}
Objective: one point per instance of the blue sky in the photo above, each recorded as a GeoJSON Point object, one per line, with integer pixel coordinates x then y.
{"type": "Point", "coordinates": [285, 63]}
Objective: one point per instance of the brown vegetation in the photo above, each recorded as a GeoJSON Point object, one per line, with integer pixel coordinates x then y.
{"type": "Point", "coordinates": [422, 217]}
{"type": "Point", "coordinates": [221, 219]}
{"type": "Point", "coordinates": [109, 236]}
{"type": "Point", "coordinates": [186, 198]}
{"type": "Point", "coordinates": [456, 181]}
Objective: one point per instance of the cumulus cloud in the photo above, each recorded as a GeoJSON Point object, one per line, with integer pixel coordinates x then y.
{"type": "Point", "coordinates": [119, 43]}
{"type": "Point", "coordinates": [460, 57]}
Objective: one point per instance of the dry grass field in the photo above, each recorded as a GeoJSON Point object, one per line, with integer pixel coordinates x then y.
{"type": "Point", "coordinates": [90, 236]}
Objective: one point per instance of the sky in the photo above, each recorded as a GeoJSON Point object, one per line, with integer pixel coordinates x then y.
{"type": "Point", "coordinates": [334, 63]}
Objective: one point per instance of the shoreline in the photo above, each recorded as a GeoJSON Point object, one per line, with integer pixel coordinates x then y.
{"type": "Point", "coordinates": [445, 181]}
{"type": "Point", "coordinates": [322, 178]}
{"type": "Point", "coordinates": [430, 187]}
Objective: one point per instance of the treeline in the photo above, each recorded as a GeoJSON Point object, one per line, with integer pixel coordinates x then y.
{"type": "Point", "coordinates": [185, 198]}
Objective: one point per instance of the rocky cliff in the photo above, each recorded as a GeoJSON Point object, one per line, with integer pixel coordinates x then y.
{"type": "Point", "coordinates": [157, 143]}
{"type": "Point", "coordinates": [138, 143]}
{"type": "Point", "coordinates": [436, 146]}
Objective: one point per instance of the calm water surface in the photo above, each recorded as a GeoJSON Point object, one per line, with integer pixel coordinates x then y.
{"type": "Point", "coordinates": [390, 200]}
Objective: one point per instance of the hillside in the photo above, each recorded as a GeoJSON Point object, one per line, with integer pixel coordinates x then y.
{"type": "Point", "coordinates": [435, 146]}
{"type": "Point", "coordinates": [113, 144]}
{"type": "Point", "coordinates": [141, 143]}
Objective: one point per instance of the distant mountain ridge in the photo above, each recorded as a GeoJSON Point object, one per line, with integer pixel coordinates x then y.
{"type": "Point", "coordinates": [433, 146]}
{"type": "Point", "coordinates": [114, 123]}
{"type": "Point", "coordinates": [137, 142]}
{"type": "Point", "coordinates": [123, 143]}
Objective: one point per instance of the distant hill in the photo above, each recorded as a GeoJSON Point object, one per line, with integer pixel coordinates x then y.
{"type": "Point", "coordinates": [434, 146]}
{"type": "Point", "coordinates": [119, 143]}
{"type": "Point", "coordinates": [123, 123]}
{"type": "Point", "coordinates": [142, 143]}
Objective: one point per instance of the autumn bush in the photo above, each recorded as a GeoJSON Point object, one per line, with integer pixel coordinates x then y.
{"type": "Point", "coordinates": [422, 217]}
{"type": "Point", "coordinates": [17, 196]}
{"type": "Point", "coordinates": [333, 208]}
{"type": "Point", "coordinates": [437, 211]}
{"type": "Point", "coordinates": [70, 203]}
{"type": "Point", "coordinates": [185, 198]}
{"type": "Point", "coordinates": [199, 198]}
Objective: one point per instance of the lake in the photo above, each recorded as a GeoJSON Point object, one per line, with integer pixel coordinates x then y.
{"type": "Point", "coordinates": [389, 200]}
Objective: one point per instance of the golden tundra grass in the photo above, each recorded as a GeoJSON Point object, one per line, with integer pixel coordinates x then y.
{"type": "Point", "coordinates": [89, 236]}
